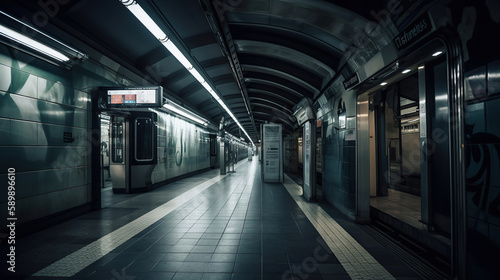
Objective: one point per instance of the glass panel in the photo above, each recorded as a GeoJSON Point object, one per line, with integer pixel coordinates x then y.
{"type": "Point", "coordinates": [143, 139]}
{"type": "Point", "coordinates": [213, 146]}
{"type": "Point", "coordinates": [117, 143]}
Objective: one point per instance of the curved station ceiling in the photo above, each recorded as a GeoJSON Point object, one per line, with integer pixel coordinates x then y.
{"type": "Point", "coordinates": [260, 56]}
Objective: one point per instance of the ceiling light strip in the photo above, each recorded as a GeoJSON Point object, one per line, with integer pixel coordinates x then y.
{"type": "Point", "coordinates": [151, 25]}
{"type": "Point", "coordinates": [20, 35]}
{"type": "Point", "coordinates": [176, 109]}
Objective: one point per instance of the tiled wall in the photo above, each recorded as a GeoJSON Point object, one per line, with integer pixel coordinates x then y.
{"type": "Point", "coordinates": [38, 105]}
{"type": "Point", "coordinates": [482, 170]}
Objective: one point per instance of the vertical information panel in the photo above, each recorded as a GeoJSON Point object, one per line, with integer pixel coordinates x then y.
{"type": "Point", "coordinates": [273, 153]}
{"type": "Point", "coordinates": [306, 148]}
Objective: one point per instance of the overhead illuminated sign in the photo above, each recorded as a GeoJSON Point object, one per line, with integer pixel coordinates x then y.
{"type": "Point", "coordinates": [351, 81]}
{"type": "Point", "coordinates": [415, 31]}
{"type": "Point", "coordinates": [134, 97]}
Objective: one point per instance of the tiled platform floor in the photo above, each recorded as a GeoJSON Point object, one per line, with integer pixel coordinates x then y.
{"type": "Point", "coordinates": [406, 207]}
{"type": "Point", "coordinates": [209, 227]}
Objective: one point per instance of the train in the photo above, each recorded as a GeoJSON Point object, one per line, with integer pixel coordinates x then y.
{"type": "Point", "coordinates": [148, 148]}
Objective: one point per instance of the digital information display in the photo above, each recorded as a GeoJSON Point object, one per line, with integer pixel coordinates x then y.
{"type": "Point", "coordinates": [134, 97]}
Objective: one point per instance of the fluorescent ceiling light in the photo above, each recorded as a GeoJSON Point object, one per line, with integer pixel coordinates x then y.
{"type": "Point", "coordinates": [197, 75]}
{"type": "Point", "coordinates": [437, 53]}
{"type": "Point", "coordinates": [177, 54]}
{"type": "Point", "coordinates": [406, 71]}
{"type": "Point", "coordinates": [383, 84]}
{"type": "Point", "coordinates": [30, 43]}
{"type": "Point", "coordinates": [149, 23]}
{"type": "Point", "coordinates": [181, 112]}
{"type": "Point", "coordinates": [421, 67]}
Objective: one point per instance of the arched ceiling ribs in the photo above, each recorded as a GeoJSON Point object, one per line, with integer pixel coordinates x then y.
{"type": "Point", "coordinates": [279, 80]}
{"type": "Point", "coordinates": [290, 68]}
{"type": "Point", "coordinates": [318, 43]}
{"type": "Point", "coordinates": [283, 75]}
{"type": "Point", "coordinates": [275, 86]}
{"type": "Point", "coordinates": [269, 116]}
{"type": "Point", "coordinates": [260, 107]}
{"type": "Point", "coordinates": [265, 93]}
{"type": "Point", "coordinates": [273, 104]}
{"type": "Point", "coordinates": [285, 54]}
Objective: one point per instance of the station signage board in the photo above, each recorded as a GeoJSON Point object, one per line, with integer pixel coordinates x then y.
{"type": "Point", "coordinates": [134, 97]}
{"type": "Point", "coordinates": [415, 31]}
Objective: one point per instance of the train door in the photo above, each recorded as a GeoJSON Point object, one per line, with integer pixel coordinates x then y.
{"type": "Point", "coordinates": [119, 163]}
{"type": "Point", "coordinates": [213, 150]}
{"type": "Point", "coordinates": [105, 150]}
{"type": "Point", "coordinates": [436, 156]}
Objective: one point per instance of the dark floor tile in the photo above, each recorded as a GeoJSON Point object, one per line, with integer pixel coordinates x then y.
{"type": "Point", "coordinates": [175, 257]}
{"type": "Point", "coordinates": [203, 249]}
{"type": "Point", "coordinates": [192, 267]}
{"type": "Point", "coordinates": [226, 249]}
{"type": "Point", "coordinates": [331, 269]}
{"type": "Point", "coordinates": [251, 231]}
{"type": "Point", "coordinates": [347, 277]}
{"type": "Point", "coordinates": [248, 249]}
{"type": "Point", "coordinates": [277, 277]}
{"type": "Point", "coordinates": [250, 236]}
{"type": "Point", "coordinates": [187, 241]}
{"type": "Point", "coordinates": [187, 276]}
{"type": "Point", "coordinates": [248, 258]}
{"type": "Point", "coordinates": [223, 258]}
{"type": "Point", "coordinates": [158, 249]}
{"type": "Point", "coordinates": [115, 265]}
{"type": "Point", "coordinates": [167, 241]}
{"type": "Point", "coordinates": [275, 258]}
{"type": "Point", "coordinates": [305, 267]}
{"type": "Point", "coordinates": [167, 266]}
{"type": "Point", "coordinates": [247, 267]}
{"type": "Point", "coordinates": [229, 242]}
{"type": "Point", "coordinates": [207, 242]}
{"type": "Point", "coordinates": [216, 276]}
{"type": "Point", "coordinates": [231, 236]}
{"type": "Point", "coordinates": [246, 276]}
{"type": "Point", "coordinates": [199, 257]}
{"type": "Point", "coordinates": [275, 268]}
{"type": "Point", "coordinates": [192, 235]}
{"type": "Point", "coordinates": [180, 249]}
{"type": "Point", "coordinates": [155, 275]}
{"type": "Point", "coordinates": [141, 265]}
{"type": "Point", "coordinates": [220, 267]}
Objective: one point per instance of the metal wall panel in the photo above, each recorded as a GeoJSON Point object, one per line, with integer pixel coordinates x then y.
{"type": "Point", "coordinates": [58, 93]}
{"type": "Point", "coordinates": [39, 102]}
{"type": "Point", "coordinates": [31, 158]}
{"type": "Point", "coordinates": [53, 135]}
{"type": "Point", "coordinates": [5, 132]}
{"type": "Point", "coordinates": [17, 81]}
{"type": "Point", "coordinates": [23, 133]}
{"type": "Point", "coordinates": [29, 183]}
{"type": "Point", "coordinates": [18, 107]}
{"type": "Point", "coordinates": [60, 179]}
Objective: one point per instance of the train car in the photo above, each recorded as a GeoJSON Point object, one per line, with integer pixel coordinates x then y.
{"type": "Point", "coordinates": [149, 148]}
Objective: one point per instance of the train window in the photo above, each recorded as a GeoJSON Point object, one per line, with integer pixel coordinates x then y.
{"type": "Point", "coordinates": [213, 146]}
{"type": "Point", "coordinates": [117, 143]}
{"type": "Point", "coordinates": [143, 139]}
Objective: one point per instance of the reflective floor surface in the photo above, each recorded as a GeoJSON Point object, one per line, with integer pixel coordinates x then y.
{"type": "Point", "coordinates": [209, 226]}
